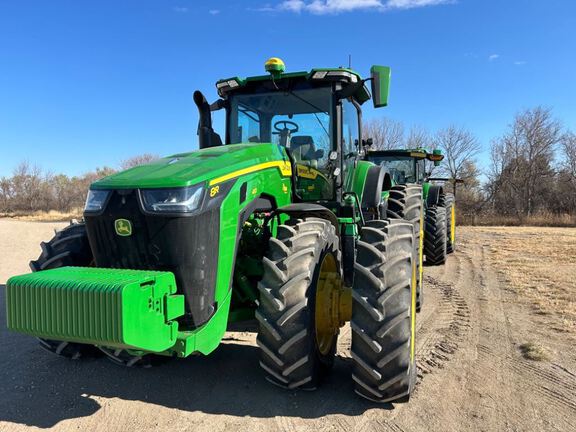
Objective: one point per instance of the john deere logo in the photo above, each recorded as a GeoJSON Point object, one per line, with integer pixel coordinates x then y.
{"type": "Point", "coordinates": [123, 227]}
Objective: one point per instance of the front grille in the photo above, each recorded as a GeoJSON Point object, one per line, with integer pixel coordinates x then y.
{"type": "Point", "coordinates": [122, 252]}
{"type": "Point", "coordinates": [185, 246]}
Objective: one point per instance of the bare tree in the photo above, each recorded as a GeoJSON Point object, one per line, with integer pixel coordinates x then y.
{"type": "Point", "coordinates": [385, 133]}
{"type": "Point", "coordinates": [530, 146]}
{"type": "Point", "coordinates": [470, 197]}
{"type": "Point", "coordinates": [522, 176]}
{"type": "Point", "coordinates": [569, 153]}
{"type": "Point", "coordinates": [459, 147]}
{"type": "Point", "coordinates": [29, 190]}
{"type": "Point", "coordinates": [418, 137]}
{"type": "Point", "coordinates": [138, 160]}
{"type": "Point", "coordinates": [5, 195]}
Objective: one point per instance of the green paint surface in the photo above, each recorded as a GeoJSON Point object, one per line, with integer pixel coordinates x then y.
{"type": "Point", "coordinates": [188, 169]}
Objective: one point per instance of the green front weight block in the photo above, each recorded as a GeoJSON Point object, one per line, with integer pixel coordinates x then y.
{"type": "Point", "coordinates": [132, 309]}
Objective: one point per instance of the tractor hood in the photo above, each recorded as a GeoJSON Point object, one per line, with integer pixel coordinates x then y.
{"type": "Point", "coordinates": [210, 164]}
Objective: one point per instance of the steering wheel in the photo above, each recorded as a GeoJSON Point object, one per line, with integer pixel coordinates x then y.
{"type": "Point", "coordinates": [285, 129]}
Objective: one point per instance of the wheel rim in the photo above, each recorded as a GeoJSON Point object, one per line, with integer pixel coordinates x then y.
{"type": "Point", "coordinates": [326, 327]}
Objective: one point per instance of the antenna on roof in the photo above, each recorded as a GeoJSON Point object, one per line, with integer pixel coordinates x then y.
{"type": "Point", "coordinates": [349, 61]}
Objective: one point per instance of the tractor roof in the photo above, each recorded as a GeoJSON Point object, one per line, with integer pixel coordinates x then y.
{"type": "Point", "coordinates": [418, 153]}
{"type": "Point", "coordinates": [315, 76]}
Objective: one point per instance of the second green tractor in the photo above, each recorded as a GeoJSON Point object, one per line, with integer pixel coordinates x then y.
{"type": "Point", "coordinates": [422, 200]}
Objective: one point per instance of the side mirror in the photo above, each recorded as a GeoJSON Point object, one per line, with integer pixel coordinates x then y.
{"type": "Point", "coordinates": [380, 80]}
{"type": "Point", "coordinates": [436, 156]}
{"type": "Point", "coordinates": [319, 154]}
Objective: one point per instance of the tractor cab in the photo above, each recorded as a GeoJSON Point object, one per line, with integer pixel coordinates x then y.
{"type": "Point", "coordinates": [315, 116]}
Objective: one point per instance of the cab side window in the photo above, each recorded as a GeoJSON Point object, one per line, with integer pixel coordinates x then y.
{"type": "Point", "coordinates": [350, 133]}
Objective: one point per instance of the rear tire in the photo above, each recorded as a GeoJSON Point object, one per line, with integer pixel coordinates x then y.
{"type": "Point", "coordinates": [435, 236]}
{"type": "Point", "coordinates": [405, 202]}
{"type": "Point", "coordinates": [383, 313]}
{"type": "Point", "coordinates": [68, 247]}
{"type": "Point", "coordinates": [289, 350]}
{"type": "Point", "coordinates": [449, 204]}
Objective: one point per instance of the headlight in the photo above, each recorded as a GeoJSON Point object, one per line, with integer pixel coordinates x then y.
{"type": "Point", "coordinates": [177, 200]}
{"type": "Point", "coordinates": [96, 200]}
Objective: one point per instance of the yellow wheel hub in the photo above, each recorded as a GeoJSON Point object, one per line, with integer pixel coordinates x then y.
{"type": "Point", "coordinates": [333, 304]}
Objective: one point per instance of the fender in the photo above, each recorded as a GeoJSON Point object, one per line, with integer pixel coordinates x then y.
{"type": "Point", "coordinates": [434, 193]}
{"type": "Point", "coordinates": [305, 209]}
{"type": "Point", "coordinates": [378, 180]}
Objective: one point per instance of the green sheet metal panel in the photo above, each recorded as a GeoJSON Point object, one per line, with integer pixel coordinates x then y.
{"type": "Point", "coordinates": [109, 307]}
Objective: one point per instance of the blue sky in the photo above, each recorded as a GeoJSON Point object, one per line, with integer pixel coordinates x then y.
{"type": "Point", "coordinates": [89, 83]}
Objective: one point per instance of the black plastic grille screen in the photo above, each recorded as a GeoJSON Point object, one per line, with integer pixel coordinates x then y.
{"type": "Point", "coordinates": [186, 246]}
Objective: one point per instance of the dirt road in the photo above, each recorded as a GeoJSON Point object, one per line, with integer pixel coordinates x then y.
{"type": "Point", "coordinates": [472, 373]}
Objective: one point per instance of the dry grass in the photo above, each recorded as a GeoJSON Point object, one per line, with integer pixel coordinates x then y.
{"type": "Point", "coordinates": [540, 265]}
{"type": "Point", "coordinates": [541, 219]}
{"type": "Point", "coordinates": [532, 351]}
{"type": "Point", "coordinates": [41, 216]}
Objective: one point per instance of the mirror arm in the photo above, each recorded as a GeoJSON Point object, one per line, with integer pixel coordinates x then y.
{"type": "Point", "coordinates": [218, 105]}
{"type": "Point", "coordinates": [351, 89]}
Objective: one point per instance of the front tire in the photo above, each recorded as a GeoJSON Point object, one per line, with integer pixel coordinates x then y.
{"type": "Point", "coordinates": [293, 353]}
{"type": "Point", "coordinates": [383, 314]}
{"type": "Point", "coordinates": [450, 206]}
{"type": "Point", "coordinates": [435, 236]}
{"type": "Point", "coordinates": [405, 202]}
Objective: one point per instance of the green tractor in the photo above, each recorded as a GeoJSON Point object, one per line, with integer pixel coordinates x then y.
{"type": "Point", "coordinates": [422, 200]}
{"type": "Point", "coordinates": [265, 223]}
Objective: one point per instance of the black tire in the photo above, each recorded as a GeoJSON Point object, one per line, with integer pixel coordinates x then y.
{"type": "Point", "coordinates": [435, 236]}
{"type": "Point", "coordinates": [289, 353]}
{"type": "Point", "coordinates": [449, 204]}
{"type": "Point", "coordinates": [383, 312]}
{"type": "Point", "coordinates": [406, 202]}
{"type": "Point", "coordinates": [122, 357]}
{"type": "Point", "coordinates": [68, 247]}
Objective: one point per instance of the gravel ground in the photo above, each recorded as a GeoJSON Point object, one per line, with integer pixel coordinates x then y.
{"type": "Point", "coordinates": [472, 372]}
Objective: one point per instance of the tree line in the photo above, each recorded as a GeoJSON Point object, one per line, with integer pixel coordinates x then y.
{"type": "Point", "coordinates": [530, 176]}
{"type": "Point", "coordinates": [30, 189]}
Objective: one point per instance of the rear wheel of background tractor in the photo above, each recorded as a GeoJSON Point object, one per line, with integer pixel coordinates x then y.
{"type": "Point", "coordinates": [297, 343]}
{"type": "Point", "coordinates": [383, 314]}
{"type": "Point", "coordinates": [405, 202]}
{"type": "Point", "coordinates": [447, 201]}
{"type": "Point", "coordinates": [69, 247]}
{"type": "Point", "coordinates": [435, 235]}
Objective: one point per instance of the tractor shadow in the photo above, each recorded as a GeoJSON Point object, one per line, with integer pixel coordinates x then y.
{"type": "Point", "coordinates": [40, 389]}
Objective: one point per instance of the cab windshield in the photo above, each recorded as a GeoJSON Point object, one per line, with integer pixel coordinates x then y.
{"type": "Point", "coordinates": [402, 169]}
{"type": "Point", "coordinates": [300, 120]}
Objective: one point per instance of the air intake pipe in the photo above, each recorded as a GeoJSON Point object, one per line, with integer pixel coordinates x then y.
{"type": "Point", "coordinates": [206, 135]}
